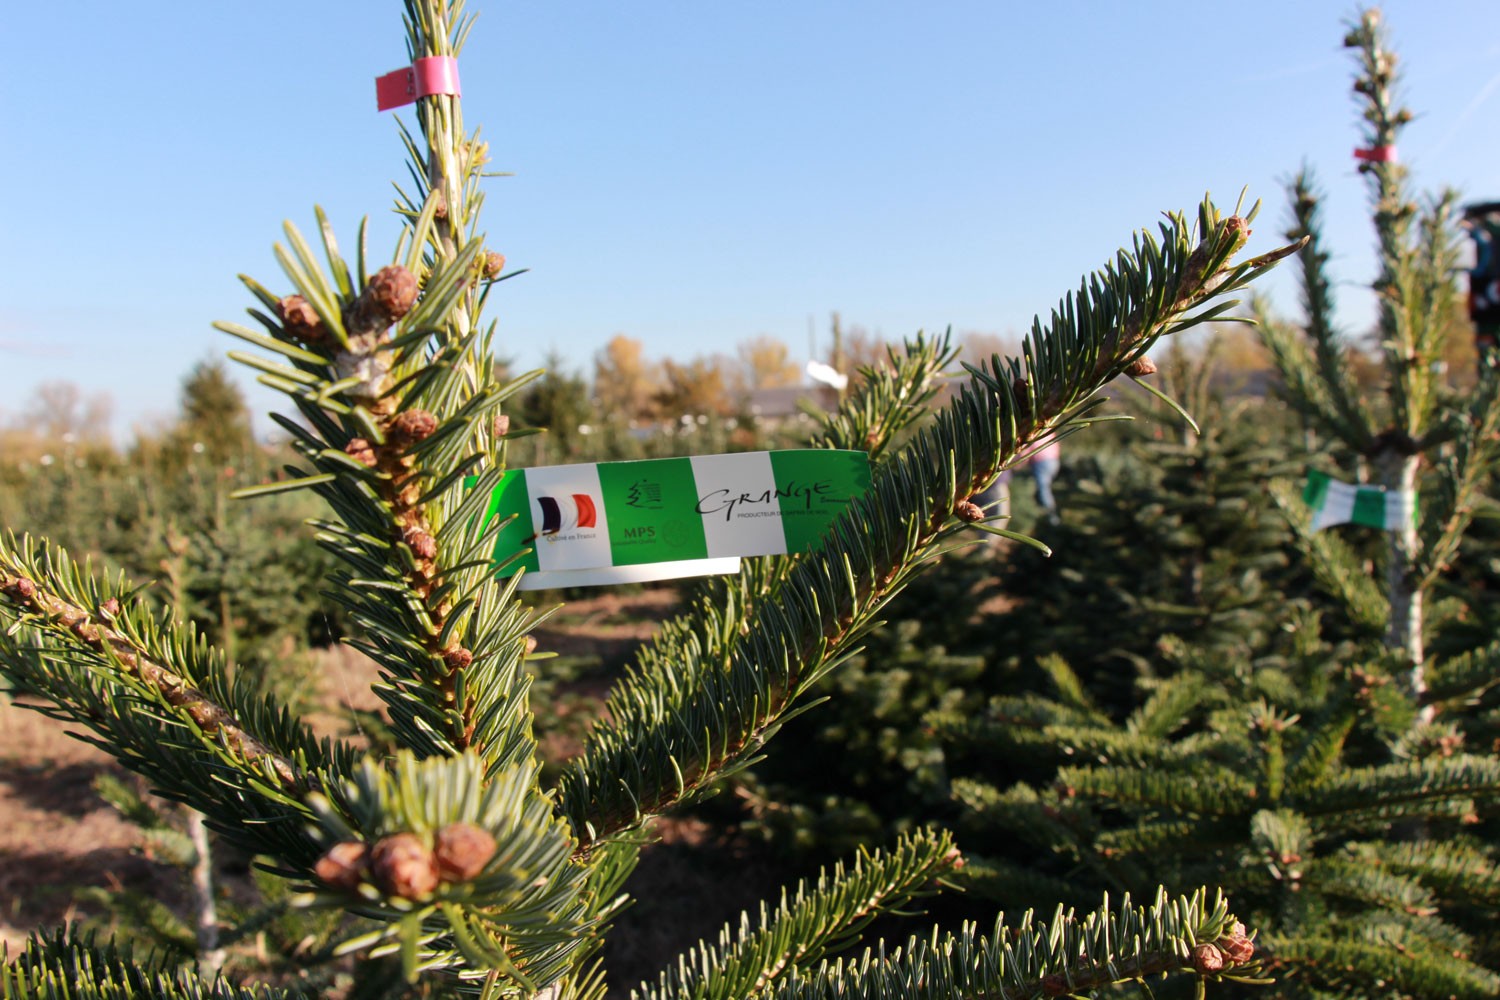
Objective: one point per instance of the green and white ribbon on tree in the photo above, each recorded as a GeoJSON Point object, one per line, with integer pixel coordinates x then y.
{"type": "Point", "coordinates": [658, 519]}
{"type": "Point", "coordinates": [1334, 502]}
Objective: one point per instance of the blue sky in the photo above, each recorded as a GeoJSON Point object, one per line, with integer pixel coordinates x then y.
{"type": "Point", "coordinates": [692, 175]}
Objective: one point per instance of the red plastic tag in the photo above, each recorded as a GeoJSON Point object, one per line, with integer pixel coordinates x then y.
{"type": "Point", "coordinates": [423, 78]}
{"type": "Point", "coordinates": [1377, 154]}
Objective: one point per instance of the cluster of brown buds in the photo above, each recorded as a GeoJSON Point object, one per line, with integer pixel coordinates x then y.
{"type": "Point", "coordinates": [402, 864]}
{"type": "Point", "coordinates": [387, 296]}
{"type": "Point", "coordinates": [1233, 948]}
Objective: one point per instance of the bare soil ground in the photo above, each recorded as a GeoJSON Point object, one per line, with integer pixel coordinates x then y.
{"type": "Point", "coordinates": [57, 836]}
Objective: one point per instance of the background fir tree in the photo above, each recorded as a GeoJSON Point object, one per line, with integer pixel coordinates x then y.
{"type": "Point", "coordinates": [1171, 550]}
{"type": "Point", "coordinates": [1412, 417]}
{"type": "Point", "coordinates": [214, 421]}
{"type": "Point", "coordinates": [1342, 794]}
{"type": "Point", "coordinates": [449, 856]}
{"type": "Point", "coordinates": [1191, 492]}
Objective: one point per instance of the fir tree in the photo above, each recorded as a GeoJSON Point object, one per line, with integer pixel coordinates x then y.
{"type": "Point", "coordinates": [214, 420]}
{"type": "Point", "coordinates": [449, 855]}
{"type": "Point", "coordinates": [1412, 419]}
{"type": "Point", "coordinates": [1192, 492]}
{"type": "Point", "coordinates": [1341, 791]}
{"type": "Point", "coordinates": [1293, 804]}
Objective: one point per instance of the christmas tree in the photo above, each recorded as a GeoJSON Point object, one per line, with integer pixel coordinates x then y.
{"type": "Point", "coordinates": [449, 854]}
{"type": "Point", "coordinates": [1347, 788]}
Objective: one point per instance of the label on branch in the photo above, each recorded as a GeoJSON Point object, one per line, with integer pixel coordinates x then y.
{"type": "Point", "coordinates": [1334, 502]}
{"type": "Point", "coordinates": [629, 522]}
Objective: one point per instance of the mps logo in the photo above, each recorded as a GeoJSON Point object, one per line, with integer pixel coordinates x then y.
{"type": "Point", "coordinates": [566, 513]}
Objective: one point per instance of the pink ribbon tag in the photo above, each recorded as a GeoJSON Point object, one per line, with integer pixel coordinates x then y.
{"type": "Point", "coordinates": [423, 78]}
{"type": "Point", "coordinates": [1377, 154]}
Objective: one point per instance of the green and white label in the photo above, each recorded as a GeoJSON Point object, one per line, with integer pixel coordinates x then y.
{"type": "Point", "coordinates": [616, 522]}
{"type": "Point", "coordinates": [1335, 502]}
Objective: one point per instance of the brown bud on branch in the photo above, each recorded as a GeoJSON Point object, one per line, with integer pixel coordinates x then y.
{"type": "Point", "coordinates": [1207, 959]}
{"type": "Point", "coordinates": [21, 587]}
{"type": "Point", "coordinates": [1021, 389]}
{"type": "Point", "coordinates": [423, 545]}
{"type": "Point", "coordinates": [462, 850]}
{"type": "Point", "coordinates": [301, 321]}
{"type": "Point", "coordinates": [343, 865]}
{"type": "Point", "coordinates": [968, 510]}
{"type": "Point", "coordinates": [412, 425]}
{"type": "Point", "coordinates": [1236, 945]}
{"type": "Point", "coordinates": [387, 296]}
{"type": "Point", "coordinates": [362, 452]}
{"type": "Point", "coordinates": [403, 866]}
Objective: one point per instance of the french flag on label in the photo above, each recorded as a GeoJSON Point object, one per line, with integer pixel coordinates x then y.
{"type": "Point", "coordinates": [566, 513]}
{"type": "Point", "coordinates": [572, 530]}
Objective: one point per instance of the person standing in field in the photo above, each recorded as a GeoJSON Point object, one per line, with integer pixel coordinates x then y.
{"type": "Point", "coordinates": [1045, 462]}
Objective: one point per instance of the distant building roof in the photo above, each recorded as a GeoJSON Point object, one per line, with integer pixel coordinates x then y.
{"type": "Point", "coordinates": [785, 401]}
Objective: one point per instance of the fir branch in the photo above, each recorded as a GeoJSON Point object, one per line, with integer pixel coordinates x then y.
{"type": "Point", "coordinates": [1415, 933]}
{"type": "Point", "coordinates": [1369, 886]}
{"type": "Point", "coordinates": [1394, 212]}
{"type": "Point", "coordinates": [392, 426]}
{"type": "Point", "coordinates": [817, 919]}
{"type": "Point", "coordinates": [33, 589]}
{"type": "Point", "coordinates": [1070, 688]}
{"type": "Point", "coordinates": [1296, 362]}
{"type": "Point", "coordinates": [1464, 472]}
{"type": "Point", "coordinates": [1172, 837]}
{"type": "Point", "coordinates": [1023, 812]}
{"type": "Point", "coordinates": [66, 966]}
{"type": "Point", "coordinates": [467, 869]}
{"type": "Point", "coordinates": [394, 377]}
{"type": "Point", "coordinates": [1356, 968]}
{"type": "Point", "coordinates": [1169, 707]}
{"type": "Point", "coordinates": [1428, 298]}
{"type": "Point", "coordinates": [1006, 881]}
{"type": "Point", "coordinates": [672, 745]}
{"type": "Point", "coordinates": [1457, 869]}
{"type": "Point", "coordinates": [200, 737]}
{"type": "Point", "coordinates": [888, 400]}
{"type": "Point", "coordinates": [1375, 796]}
{"type": "Point", "coordinates": [1067, 955]}
{"type": "Point", "coordinates": [1321, 753]}
{"type": "Point", "coordinates": [1209, 790]}
{"type": "Point", "coordinates": [1465, 676]}
{"type": "Point", "coordinates": [891, 398]}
